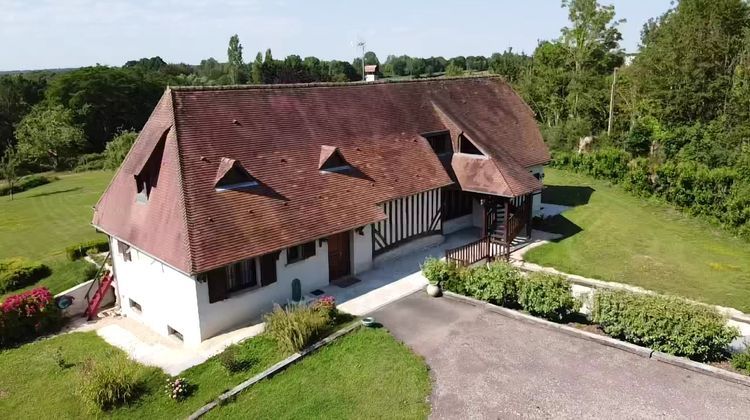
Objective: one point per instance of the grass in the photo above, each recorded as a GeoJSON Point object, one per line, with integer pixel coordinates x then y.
{"type": "Point", "coordinates": [33, 386]}
{"type": "Point", "coordinates": [614, 236]}
{"type": "Point", "coordinates": [366, 374]}
{"type": "Point", "coordinates": [39, 223]}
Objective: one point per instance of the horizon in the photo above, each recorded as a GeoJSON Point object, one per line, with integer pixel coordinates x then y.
{"type": "Point", "coordinates": [47, 35]}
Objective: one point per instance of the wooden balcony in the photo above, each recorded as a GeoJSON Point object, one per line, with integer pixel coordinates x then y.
{"type": "Point", "coordinates": [486, 249]}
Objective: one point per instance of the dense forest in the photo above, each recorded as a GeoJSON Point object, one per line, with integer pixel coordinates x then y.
{"type": "Point", "coordinates": [670, 121]}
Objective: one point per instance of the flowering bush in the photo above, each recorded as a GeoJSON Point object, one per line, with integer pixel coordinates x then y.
{"type": "Point", "coordinates": [178, 388]}
{"type": "Point", "coordinates": [27, 315]}
{"type": "Point", "coordinates": [327, 305]}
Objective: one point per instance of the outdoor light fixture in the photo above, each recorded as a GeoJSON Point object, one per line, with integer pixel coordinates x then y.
{"type": "Point", "coordinates": [360, 231]}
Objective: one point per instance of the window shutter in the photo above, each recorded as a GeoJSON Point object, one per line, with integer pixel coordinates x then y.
{"type": "Point", "coordinates": [268, 269]}
{"type": "Point", "coordinates": [217, 285]}
{"type": "Point", "coordinates": [308, 249]}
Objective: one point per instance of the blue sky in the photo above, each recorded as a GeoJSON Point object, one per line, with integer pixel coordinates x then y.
{"type": "Point", "coordinates": [37, 34]}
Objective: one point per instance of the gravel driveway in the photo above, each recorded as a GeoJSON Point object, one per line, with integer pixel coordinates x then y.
{"type": "Point", "coordinates": [485, 365]}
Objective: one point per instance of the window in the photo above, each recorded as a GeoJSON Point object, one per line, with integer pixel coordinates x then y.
{"type": "Point", "coordinates": [466, 146]}
{"type": "Point", "coordinates": [440, 142]}
{"type": "Point", "coordinates": [124, 250]}
{"type": "Point", "coordinates": [241, 275]}
{"type": "Point", "coordinates": [300, 252]}
{"type": "Point", "coordinates": [135, 306]}
{"type": "Point", "coordinates": [174, 333]}
{"type": "Point", "coordinates": [331, 160]}
{"type": "Point", "coordinates": [147, 176]}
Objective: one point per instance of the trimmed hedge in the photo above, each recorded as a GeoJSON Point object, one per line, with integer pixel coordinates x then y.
{"type": "Point", "coordinates": [721, 194]}
{"type": "Point", "coordinates": [502, 284]}
{"type": "Point", "coordinates": [26, 183]}
{"type": "Point", "coordinates": [80, 250]}
{"type": "Point", "coordinates": [28, 315]}
{"type": "Point", "coordinates": [668, 324]}
{"type": "Point", "coordinates": [548, 296]}
{"type": "Point", "coordinates": [17, 273]}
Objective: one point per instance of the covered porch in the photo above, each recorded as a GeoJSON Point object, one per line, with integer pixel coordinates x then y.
{"type": "Point", "coordinates": [505, 226]}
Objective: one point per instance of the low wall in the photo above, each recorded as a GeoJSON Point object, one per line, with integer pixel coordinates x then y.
{"type": "Point", "coordinates": [78, 293]}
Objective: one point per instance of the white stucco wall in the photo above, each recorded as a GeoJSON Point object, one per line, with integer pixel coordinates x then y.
{"type": "Point", "coordinates": [536, 206]}
{"type": "Point", "coordinates": [362, 250]}
{"type": "Point", "coordinates": [167, 296]}
{"type": "Point", "coordinates": [246, 306]}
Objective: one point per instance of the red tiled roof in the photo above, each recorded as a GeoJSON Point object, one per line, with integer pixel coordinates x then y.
{"type": "Point", "coordinates": [279, 133]}
{"type": "Point", "coordinates": [371, 68]}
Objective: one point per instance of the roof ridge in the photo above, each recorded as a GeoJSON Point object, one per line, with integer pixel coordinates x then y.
{"type": "Point", "coordinates": [336, 84]}
{"type": "Point", "coordinates": [181, 185]}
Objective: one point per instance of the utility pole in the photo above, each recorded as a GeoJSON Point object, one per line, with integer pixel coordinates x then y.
{"type": "Point", "coordinates": [362, 45]}
{"type": "Point", "coordinates": [611, 101]}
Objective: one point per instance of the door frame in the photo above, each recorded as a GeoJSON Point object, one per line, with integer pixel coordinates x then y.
{"type": "Point", "coordinates": [350, 244]}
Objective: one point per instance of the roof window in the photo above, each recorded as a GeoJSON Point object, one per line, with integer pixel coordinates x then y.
{"type": "Point", "coordinates": [233, 176]}
{"type": "Point", "coordinates": [331, 160]}
{"type": "Point", "coordinates": [440, 142]}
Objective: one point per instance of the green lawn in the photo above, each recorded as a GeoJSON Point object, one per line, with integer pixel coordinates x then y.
{"type": "Point", "coordinates": [615, 236]}
{"type": "Point", "coordinates": [39, 223]}
{"type": "Point", "coordinates": [364, 375]}
{"type": "Point", "coordinates": [332, 382]}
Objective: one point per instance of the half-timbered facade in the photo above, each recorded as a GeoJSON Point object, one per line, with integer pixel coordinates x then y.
{"type": "Point", "coordinates": [236, 198]}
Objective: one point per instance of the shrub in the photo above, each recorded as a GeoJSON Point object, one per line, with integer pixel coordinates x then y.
{"type": "Point", "coordinates": [178, 388]}
{"type": "Point", "coordinates": [231, 360]}
{"type": "Point", "coordinates": [28, 315]}
{"type": "Point", "coordinates": [548, 296]}
{"type": "Point", "coordinates": [109, 383]}
{"type": "Point", "coordinates": [77, 251]}
{"type": "Point", "coordinates": [26, 183]}
{"type": "Point", "coordinates": [17, 273]}
{"type": "Point", "coordinates": [496, 283]}
{"type": "Point", "coordinates": [741, 361]}
{"type": "Point", "coordinates": [438, 271]}
{"type": "Point", "coordinates": [327, 304]}
{"type": "Point", "coordinates": [296, 327]}
{"type": "Point", "coordinates": [668, 324]}
{"type": "Point", "coordinates": [90, 162]}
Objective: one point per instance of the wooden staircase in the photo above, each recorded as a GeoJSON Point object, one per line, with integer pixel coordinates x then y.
{"type": "Point", "coordinates": [105, 282]}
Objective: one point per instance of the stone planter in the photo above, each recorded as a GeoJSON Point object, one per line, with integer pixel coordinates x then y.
{"type": "Point", "coordinates": [434, 290]}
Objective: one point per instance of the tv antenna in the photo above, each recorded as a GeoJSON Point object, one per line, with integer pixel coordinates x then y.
{"type": "Point", "coordinates": [361, 44]}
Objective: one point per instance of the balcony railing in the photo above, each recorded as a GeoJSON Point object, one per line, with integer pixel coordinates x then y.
{"type": "Point", "coordinates": [485, 249]}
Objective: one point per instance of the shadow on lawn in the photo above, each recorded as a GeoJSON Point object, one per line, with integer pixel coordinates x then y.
{"type": "Point", "coordinates": [567, 195]}
{"type": "Point", "coordinates": [557, 224]}
{"type": "Point", "coordinates": [53, 192]}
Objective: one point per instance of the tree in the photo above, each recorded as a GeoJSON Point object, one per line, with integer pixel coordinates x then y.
{"type": "Point", "coordinates": [592, 43]}
{"type": "Point", "coordinates": [256, 71]}
{"type": "Point", "coordinates": [9, 164]}
{"type": "Point", "coordinates": [371, 58]}
{"type": "Point", "coordinates": [234, 58]}
{"type": "Point", "coordinates": [48, 134]}
{"type": "Point", "coordinates": [105, 100]}
{"type": "Point", "coordinates": [686, 65]}
{"type": "Point", "coordinates": [509, 64]}
{"type": "Point", "coordinates": [453, 70]}
{"type": "Point", "coordinates": [118, 148]}
{"type": "Point", "coordinates": [18, 93]}
{"type": "Point", "coordinates": [269, 68]}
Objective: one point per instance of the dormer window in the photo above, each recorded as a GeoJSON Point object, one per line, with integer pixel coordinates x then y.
{"type": "Point", "coordinates": [466, 146]}
{"type": "Point", "coordinates": [440, 142]}
{"type": "Point", "coordinates": [331, 160]}
{"type": "Point", "coordinates": [233, 176]}
{"type": "Point", "coordinates": [147, 176]}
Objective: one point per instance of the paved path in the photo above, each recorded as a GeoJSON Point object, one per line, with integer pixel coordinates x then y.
{"type": "Point", "coordinates": [485, 365]}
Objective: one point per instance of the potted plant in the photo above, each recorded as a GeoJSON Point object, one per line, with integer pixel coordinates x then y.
{"type": "Point", "coordinates": [436, 271]}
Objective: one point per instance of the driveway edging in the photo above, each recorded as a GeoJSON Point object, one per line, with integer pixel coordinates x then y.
{"type": "Point", "coordinates": [644, 352]}
{"type": "Point", "coordinates": [276, 368]}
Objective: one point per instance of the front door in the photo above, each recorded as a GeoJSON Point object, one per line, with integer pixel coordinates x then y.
{"type": "Point", "coordinates": [338, 256]}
